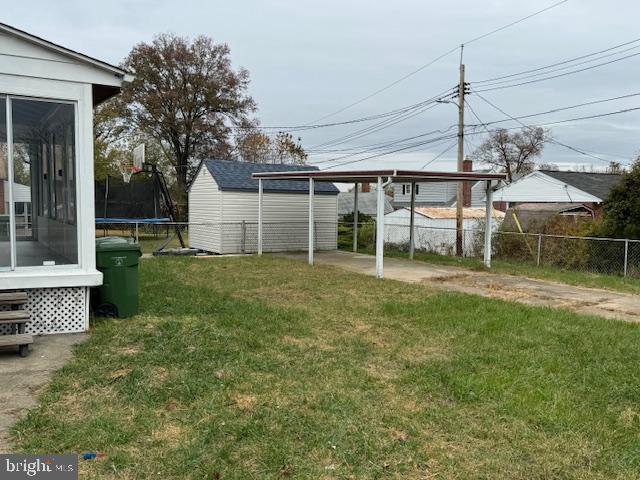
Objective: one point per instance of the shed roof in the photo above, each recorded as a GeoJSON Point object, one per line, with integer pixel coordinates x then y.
{"type": "Point", "coordinates": [597, 184]}
{"type": "Point", "coordinates": [367, 203]}
{"type": "Point", "coordinates": [233, 175]}
{"type": "Point", "coordinates": [449, 213]}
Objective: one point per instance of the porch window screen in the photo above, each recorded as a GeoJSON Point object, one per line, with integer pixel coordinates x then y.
{"type": "Point", "coordinates": [39, 141]}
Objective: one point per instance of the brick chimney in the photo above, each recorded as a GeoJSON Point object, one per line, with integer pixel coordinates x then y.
{"type": "Point", "coordinates": [365, 188]}
{"type": "Point", "coordinates": [467, 166]}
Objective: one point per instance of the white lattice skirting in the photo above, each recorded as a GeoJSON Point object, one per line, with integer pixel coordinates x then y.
{"type": "Point", "coordinates": [55, 310]}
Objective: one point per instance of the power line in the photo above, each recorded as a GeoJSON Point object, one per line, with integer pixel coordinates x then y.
{"type": "Point", "coordinates": [439, 155]}
{"type": "Point", "coordinates": [424, 106]}
{"type": "Point", "coordinates": [554, 110]}
{"type": "Point", "coordinates": [565, 67]}
{"type": "Point", "coordinates": [398, 143]}
{"type": "Point", "coordinates": [515, 22]}
{"type": "Point", "coordinates": [563, 62]}
{"type": "Point", "coordinates": [557, 76]}
{"type": "Point", "coordinates": [577, 150]}
{"type": "Point", "coordinates": [407, 147]}
{"type": "Point", "coordinates": [428, 64]}
{"type": "Point", "coordinates": [294, 128]}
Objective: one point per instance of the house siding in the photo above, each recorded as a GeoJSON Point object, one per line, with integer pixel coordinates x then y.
{"type": "Point", "coordinates": [540, 188]}
{"type": "Point", "coordinates": [435, 193]}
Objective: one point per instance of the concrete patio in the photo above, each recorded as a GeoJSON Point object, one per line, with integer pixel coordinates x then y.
{"type": "Point", "coordinates": [22, 379]}
{"type": "Point", "coordinates": [605, 303]}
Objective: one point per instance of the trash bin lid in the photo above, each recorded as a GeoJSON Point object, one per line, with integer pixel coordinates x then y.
{"type": "Point", "coordinates": [116, 243]}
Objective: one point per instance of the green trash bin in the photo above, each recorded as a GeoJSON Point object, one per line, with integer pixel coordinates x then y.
{"type": "Point", "coordinates": [117, 259]}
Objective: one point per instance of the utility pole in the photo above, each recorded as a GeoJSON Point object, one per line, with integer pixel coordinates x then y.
{"type": "Point", "coordinates": [459, 199]}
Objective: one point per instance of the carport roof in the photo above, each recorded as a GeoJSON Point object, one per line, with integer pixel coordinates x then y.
{"type": "Point", "coordinates": [370, 176]}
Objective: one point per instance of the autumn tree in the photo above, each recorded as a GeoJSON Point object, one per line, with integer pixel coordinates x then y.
{"type": "Point", "coordinates": [108, 131]}
{"type": "Point", "coordinates": [513, 153]}
{"type": "Point", "coordinates": [187, 97]}
{"type": "Point", "coordinates": [256, 146]}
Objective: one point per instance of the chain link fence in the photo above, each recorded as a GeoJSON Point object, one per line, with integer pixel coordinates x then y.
{"type": "Point", "coordinates": [224, 238]}
{"type": "Point", "coordinates": [586, 254]}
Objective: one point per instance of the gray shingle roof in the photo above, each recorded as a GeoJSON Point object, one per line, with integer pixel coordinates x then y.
{"type": "Point", "coordinates": [597, 184]}
{"type": "Point", "coordinates": [236, 176]}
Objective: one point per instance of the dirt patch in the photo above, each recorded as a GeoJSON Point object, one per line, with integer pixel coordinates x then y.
{"type": "Point", "coordinates": [244, 402]}
{"type": "Point", "coordinates": [170, 433]}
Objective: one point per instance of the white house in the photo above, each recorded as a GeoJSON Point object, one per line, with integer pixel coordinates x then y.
{"type": "Point", "coordinates": [47, 95]}
{"type": "Point", "coordinates": [435, 228]}
{"type": "Point", "coordinates": [550, 186]}
{"type": "Point", "coordinates": [442, 194]}
{"type": "Point", "coordinates": [223, 209]}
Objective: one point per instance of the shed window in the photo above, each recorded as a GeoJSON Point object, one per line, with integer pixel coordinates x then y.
{"type": "Point", "coordinates": [37, 165]}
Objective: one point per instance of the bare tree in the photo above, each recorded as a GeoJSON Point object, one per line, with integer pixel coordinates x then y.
{"type": "Point", "coordinates": [513, 153]}
{"type": "Point", "coordinates": [186, 96]}
{"type": "Point", "coordinates": [615, 167]}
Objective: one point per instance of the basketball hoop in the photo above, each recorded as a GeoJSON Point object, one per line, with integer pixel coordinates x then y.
{"type": "Point", "coordinates": [130, 166]}
{"type": "Point", "coordinates": [127, 172]}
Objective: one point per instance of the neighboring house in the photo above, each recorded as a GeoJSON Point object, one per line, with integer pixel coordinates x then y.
{"type": "Point", "coordinates": [440, 194]}
{"type": "Point", "coordinates": [531, 217]}
{"type": "Point", "coordinates": [367, 202]}
{"type": "Point", "coordinates": [22, 206]}
{"type": "Point", "coordinates": [550, 186]}
{"type": "Point", "coordinates": [435, 228]}
{"type": "Point", "coordinates": [223, 209]}
{"type": "Point", "coordinates": [47, 95]}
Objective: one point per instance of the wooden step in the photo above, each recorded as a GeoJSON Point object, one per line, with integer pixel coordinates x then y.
{"type": "Point", "coordinates": [14, 316]}
{"type": "Point", "coordinates": [17, 339]}
{"type": "Point", "coordinates": [13, 298]}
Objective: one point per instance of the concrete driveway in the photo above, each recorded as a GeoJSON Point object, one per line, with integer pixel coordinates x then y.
{"type": "Point", "coordinates": [22, 379]}
{"type": "Point", "coordinates": [606, 303]}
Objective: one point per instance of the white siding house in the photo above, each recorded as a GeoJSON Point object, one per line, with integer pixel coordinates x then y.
{"type": "Point", "coordinates": [436, 194]}
{"type": "Point", "coordinates": [223, 210]}
{"type": "Point", "coordinates": [47, 95]}
{"type": "Point", "coordinates": [548, 186]}
{"type": "Point", "coordinates": [435, 228]}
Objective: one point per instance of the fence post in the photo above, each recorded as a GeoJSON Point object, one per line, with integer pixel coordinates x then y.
{"type": "Point", "coordinates": [243, 242]}
{"type": "Point", "coordinates": [137, 235]}
{"type": "Point", "coordinates": [626, 256]}
{"type": "Point", "coordinates": [539, 249]}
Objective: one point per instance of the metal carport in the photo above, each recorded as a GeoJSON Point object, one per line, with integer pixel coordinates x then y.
{"type": "Point", "coordinates": [382, 178]}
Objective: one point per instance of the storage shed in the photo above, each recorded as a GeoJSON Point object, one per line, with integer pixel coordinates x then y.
{"type": "Point", "coordinates": [223, 209]}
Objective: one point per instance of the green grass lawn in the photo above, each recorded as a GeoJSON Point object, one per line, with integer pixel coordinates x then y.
{"type": "Point", "coordinates": [258, 368]}
{"type": "Point", "coordinates": [571, 277]}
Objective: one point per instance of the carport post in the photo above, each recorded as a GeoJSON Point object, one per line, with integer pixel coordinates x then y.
{"type": "Point", "coordinates": [488, 225]}
{"type": "Point", "coordinates": [311, 225]}
{"type": "Point", "coordinates": [260, 201]}
{"type": "Point", "coordinates": [355, 219]}
{"type": "Point", "coordinates": [380, 230]}
{"type": "Point", "coordinates": [412, 225]}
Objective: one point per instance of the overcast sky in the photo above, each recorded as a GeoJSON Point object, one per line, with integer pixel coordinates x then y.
{"type": "Point", "coordinates": [308, 59]}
